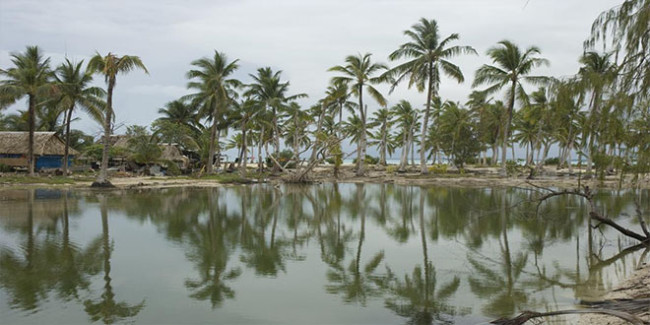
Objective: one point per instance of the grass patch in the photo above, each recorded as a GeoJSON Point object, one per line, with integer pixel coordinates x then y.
{"type": "Point", "coordinates": [52, 180]}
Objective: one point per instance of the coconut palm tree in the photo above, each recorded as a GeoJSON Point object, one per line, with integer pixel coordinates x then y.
{"type": "Point", "coordinates": [295, 126]}
{"type": "Point", "coordinates": [214, 94]}
{"type": "Point", "coordinates": [510, 69]}
{"type": "Point", "coordinates": [29, 77]}
{"type": "Point", "coordinates": [406, 119]}
{"type": "Point", "coordinates": [384, 119]}
{"type": "Point", "coordinates": [268, 89]}
{"type": "Point", "coordinates": [429, 59]}
{"type": "Point", "coordinates": [596, 74]}
{"type": "Point", "coordinates": [74, 91]}
{"type": "Point", "coordinates": [109, 66]}
{"type": "Point", "coordinates": [183, 113]}
{"type": "Point", "coordinates": [357, 74]}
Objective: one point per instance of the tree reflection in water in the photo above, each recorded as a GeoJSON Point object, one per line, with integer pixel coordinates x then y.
{"type": "Point", "coordinates": [224, 233]}
{"type": "Point", "coordinates": [106, 308]}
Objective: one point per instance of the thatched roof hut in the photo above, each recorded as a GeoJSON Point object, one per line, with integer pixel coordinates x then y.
{"type": "Point", "coordinates": [14, 147]}
{"type": "Point", "coordinates": [172, 153]}
{"type": "Point", "coordinates": [45, 144]}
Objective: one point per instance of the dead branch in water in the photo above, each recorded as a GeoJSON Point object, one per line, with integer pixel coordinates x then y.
{"type": "Point", "coordinates": [586, 193]}
{"type": "Point", "coordinates": [528, 315]}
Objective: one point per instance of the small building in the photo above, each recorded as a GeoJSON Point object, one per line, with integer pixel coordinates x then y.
{"type": "Point", "coordinates": [49, 150]}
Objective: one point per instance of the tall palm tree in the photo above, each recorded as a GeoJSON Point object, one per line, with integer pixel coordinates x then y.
{"type": "Point", "coordinates": [510, 69]}
{"type": "Point", "coordinates": [109, 66]}
{"type": "Point", "coordinates": [429, 58]}
{"type": "Point", "coordinates": [211, 79]}
{"type": "Point", "coordinates": [357, 74]}
{"type": "Point", "coordinates": [406, 118]}
{"type": "Point", "coordinates": [30, 77]}
{"type": "Point", "coordinates": [596, 74]}
{"type": "Point", "coordinates": [74, 89]}
{"type": "Point", "coordinates": [268, 89]}
{"type": "Point", "coordinates": [384, 119]}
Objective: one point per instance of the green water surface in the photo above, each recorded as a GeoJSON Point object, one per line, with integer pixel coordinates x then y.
{"type": "Point", "coordinates": [319, 254]}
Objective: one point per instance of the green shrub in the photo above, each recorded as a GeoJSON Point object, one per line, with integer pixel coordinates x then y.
{"type": "Point", "coordinates": [438, 169]}
{"type": "Point", "coordinates": [173, 170]}
{"type": "Point", "coordinates": [512, 168]}
{"type": "Point", "coordinates": [552, 161]}
{"type": "Point", "coordinates": [5, 169]}
{"type": "Point", "coordinates": [370, 160]}
{"type": "Point", "coordinates": [391, 169]}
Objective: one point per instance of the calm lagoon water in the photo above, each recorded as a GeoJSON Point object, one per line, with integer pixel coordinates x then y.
{"type": "Point", "coordinates": [321, 254]}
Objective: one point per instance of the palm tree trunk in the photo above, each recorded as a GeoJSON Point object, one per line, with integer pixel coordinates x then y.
{"type": "Point", "coordinates": [506, 129]}
{"type": "Point", "coordinates": [32, 127]}
{"type": "Point", "coordinates": [404, 158]}
{"type": "Point", "coordinates": [495, 153]}
{"type": "Point", "coordinates": [259, 150]}
{"type": "Point", "coordinates": [361, 151]}
{"type": "Point", "coordinates": [276, 140]}
{"type": "Point", "coordinates": [108, 116]}
{"type": "Point", "coordinates": [244, 150]}
{"type": "Point", "coordinates": [382, 146]}
{"type": "Point", "coordinates": [425, 122]}
{"type": "Point", "coordinates": [68, 118]}
{"type": "Point", "coordinates": [213, 135]}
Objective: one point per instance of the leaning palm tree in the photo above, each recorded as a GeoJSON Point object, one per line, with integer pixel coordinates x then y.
{"type": "Point", "coordinates": [29, 78]}
{"type": "Point", "coordinates": [406, 118]}
{"type": "Point", "coordinates": [512, 67]}
{"type": "Point", "coordinates": [357, 74]}
{"type": "Point", "coordinates": [429, 58]}
{"type": "Point", "coordinates": [214, 93]}
{"type": "Point", "coordinates": [74, 89]}
{"type": "Point", "coordinates": [109, 66]}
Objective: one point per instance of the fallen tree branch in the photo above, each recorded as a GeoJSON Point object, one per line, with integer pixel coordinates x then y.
{"type": "Point", "coordinates": [528, 315]}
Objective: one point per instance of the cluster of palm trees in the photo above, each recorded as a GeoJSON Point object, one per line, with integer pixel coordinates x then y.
{"type": "Point", "coordinates": [589, 113]}
{"type": "Point", "coordinates": [54, 92]}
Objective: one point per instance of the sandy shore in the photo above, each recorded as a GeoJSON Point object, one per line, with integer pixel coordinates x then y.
{"type": "Point", "coordinates": [636, 286]}
{"type": "Point", "coordinates": [472, 177]}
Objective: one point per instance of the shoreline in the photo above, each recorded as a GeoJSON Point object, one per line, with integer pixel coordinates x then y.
{"type": "Point", "coordinates": [472, 177]}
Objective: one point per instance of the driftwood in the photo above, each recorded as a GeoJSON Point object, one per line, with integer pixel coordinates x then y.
{"type": "Point", "coordinates": [528, 315]}
{"type": "Point", "coordinates": [586, 193]}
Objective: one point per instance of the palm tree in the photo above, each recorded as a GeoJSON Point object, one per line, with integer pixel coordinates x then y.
{"type": "Point", "coordinates": [243, 117]}
{"type": "Point", "coordinates": [214, 93]}
{"type": "Point", "coordinates": [73, 86]}
{"type": "Point", "coordinates": [30, 77]}
{"type": "Point", "coordinates": [595, 75]}
{"type": "Point", "coordinates": [406, 119]}
{"type": "Point", "coordinates": [429, 59]}
{"type": "Point", "coordinates": [357, 74]}
{"type": "Point", "coordinates": [296, 123]}
{"type": "Point", "coordinates": [268, 89]}
{"type": "Point", "coordinates": [512, 67]}
{"type": "Point", "coordinates": [109, 66]}
{"type": "Point", "coordinates": [383, 117]}
{"type": "Point", "coordinates": [182, 113]}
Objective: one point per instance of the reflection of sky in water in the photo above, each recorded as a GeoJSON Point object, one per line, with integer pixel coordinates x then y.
{"type": "Point", "coordinates": [151, 262]}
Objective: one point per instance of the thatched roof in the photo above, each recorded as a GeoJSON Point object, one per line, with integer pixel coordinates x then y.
{"type": "Point", "coordinates": [121, 140]}
{"type": "Point", "coordinates": [45, 143]}
{"type": "Point", "coordinates": [171, 152]}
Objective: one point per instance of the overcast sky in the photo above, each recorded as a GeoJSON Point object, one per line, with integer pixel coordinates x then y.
{"type": "Point", "coordinates": [303, 38]}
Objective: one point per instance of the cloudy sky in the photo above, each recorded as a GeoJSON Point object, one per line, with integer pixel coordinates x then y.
{"type": "Point", "coordinates": [303, 38]}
